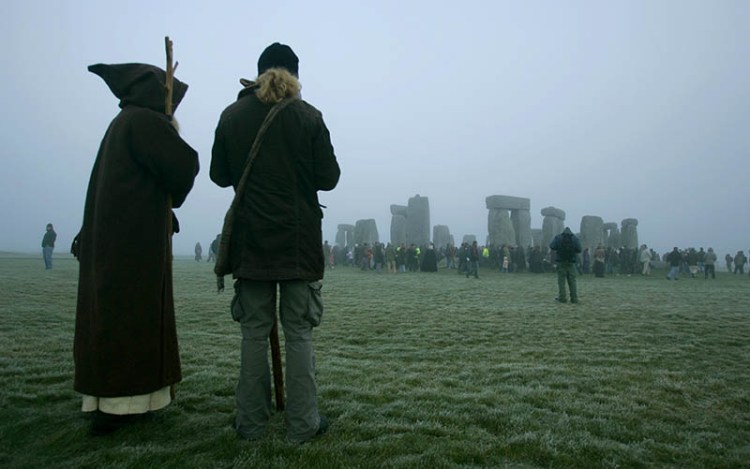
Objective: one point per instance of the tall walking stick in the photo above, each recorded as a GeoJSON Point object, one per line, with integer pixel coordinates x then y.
{"type": "Point", "coordinates": [168, 87]}
{"type": "Point", "coordinates": [278, 372]}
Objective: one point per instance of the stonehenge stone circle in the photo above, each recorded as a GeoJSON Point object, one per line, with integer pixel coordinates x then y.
{"type": "Point", "coordinates": [610, 235]}
{"type": "Point", "coordinates": [469, 238]}
{"type": "Point", "coordinates": [398, 224]}
{"type": "Point", "coordinates": [345, 235]}
{"type": "Point", "coordinates": [441, 236]}
{"type": "Point", "coordinates": [536, 237]}
{"type": "Point", "coordinates": [418, 221]}
{"type": "Point", "coordinates": [509, 220]}
{"type": "Point", "coordinates": [366, 231]}
{"type": "Point", "coordinates": [629, 233]}
{"type": "Point", "coordinates": [591, 232]}
{"type": "Point", "coordinates": [552, 224]}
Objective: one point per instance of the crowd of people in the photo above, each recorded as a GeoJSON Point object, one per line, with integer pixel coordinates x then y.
{"type": "Point", "coordinates": [600, 262]}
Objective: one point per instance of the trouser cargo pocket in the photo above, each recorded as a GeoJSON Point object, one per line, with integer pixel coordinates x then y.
{"type": "Point", "coordinates": [236, 305]}
{"type": "Point", "coordinates": [314, 312]}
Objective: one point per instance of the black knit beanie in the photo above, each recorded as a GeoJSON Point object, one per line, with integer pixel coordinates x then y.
{"type": "Point", "coordinates": [278, 55]}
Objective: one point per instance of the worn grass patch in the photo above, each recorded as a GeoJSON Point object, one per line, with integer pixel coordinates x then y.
{"type": "Point", "coordinates": [414, 370]}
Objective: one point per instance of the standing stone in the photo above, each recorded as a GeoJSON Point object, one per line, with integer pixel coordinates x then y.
{"type": "Point", "coordinates": [441, 236]}
{"type": "Point", "coordinates": [515, 229]}
{"type": "Point", "coordinates": [398, 224]}
{"type": "Point", "coordinates": [500, 228]}
{"type": "Point", "coordinates": [418, 221]}
{"type": "Point", "coordinates": [552, 225]}
{"type": "Point", "coordinates": [591, 232]}
{"type": "Point", "coordinates": [610, 233]}
{"type": "Point", "coordinates": [345, 235]}
{"type": "Point", "coordinates": [469, 238]}
{"type": "Point", "coordinates": [536, 238]}
{"type": "Point", "coordinates": [522, 224]}
{"type": "Point", "coordinates": [629, 236]}
{"type": "Point", "coordinates": [366, 231]}
{"type": "Point", "coordinates": [398, 229]}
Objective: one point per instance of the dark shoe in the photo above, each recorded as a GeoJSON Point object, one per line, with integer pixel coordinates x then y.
{"type": "Point", "coordinates": [561, 300]}
{"type": "Point", "coordinates": [323, 426]}
{"type": "Point", "coordinates": [106, 424]}
{"type": "Point", "coordinates": [574, 301]}
{"type": "Point", "coordinates": [322, 429]}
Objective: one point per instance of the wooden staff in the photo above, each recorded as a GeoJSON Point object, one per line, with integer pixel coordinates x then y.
{"type": "Point", "coordinates": [169, 81]}
{"type": "Point", "coordinates": [169, 86]}
{"type": "Point", "coordinates": [278, 372]}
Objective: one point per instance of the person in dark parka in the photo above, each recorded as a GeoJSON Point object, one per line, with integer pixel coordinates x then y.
{"type": "Point", "coordinates": [567, 246]}
{"type": "Point", "coordinates": [276, 238]}
{"type": "Point", "coordinates": [125, 349]}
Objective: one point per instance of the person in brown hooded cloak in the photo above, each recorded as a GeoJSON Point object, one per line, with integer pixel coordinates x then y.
{"type": "Point", "coordinates": [125, 347]}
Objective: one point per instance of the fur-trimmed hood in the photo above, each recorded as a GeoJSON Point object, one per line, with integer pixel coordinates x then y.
{"type": "Point", "coordinates": [272, 86]}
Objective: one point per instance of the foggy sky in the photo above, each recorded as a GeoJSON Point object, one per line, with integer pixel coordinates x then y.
{"type": "Point", "coordinates": [620, 109]}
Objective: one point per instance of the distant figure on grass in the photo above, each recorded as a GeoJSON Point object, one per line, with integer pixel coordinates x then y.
{"type": "Point", "coordinates": [644, 258]}
{"type": "Point", "coordinates": [327, 253]}
{"type": "Point", "coordinates": [472, 260]}
{"type": "Point", "coordinates": [48, 245]}
{"type": "Point", "coordinates": [674, 259]}
{"type": "Point", "coordinates": [213, 249]}
{"type": "Point", "coordinates": [429, 259]}
{"type": "Point", "coordinates": [728, 260]}
{"type": "Point", "coordinates": [691, 257]}
{"type": "Point", "coordinates": [275, 237]}
{"type": "Point", "coordinates": [126, 353]}
{"type": "Point", "coordinates": [739, 262]}
{"type": "Point", "coordinates": [709, 261]}
{"type": "Point", "coordinates": [586, 262]}
{"type": "Point", "coordinates": [600, 258]}
{"type": "Point", "coordinates": [198, 252]}
{"type": "Point", "coordinates": [567, 247]}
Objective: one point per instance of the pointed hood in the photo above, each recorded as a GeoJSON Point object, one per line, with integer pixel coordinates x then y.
{"type": "Point", "coordinates": [139, 84]}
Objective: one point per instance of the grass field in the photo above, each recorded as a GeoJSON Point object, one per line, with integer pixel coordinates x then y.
{"type": "Point", "coordinates": [414, 370]}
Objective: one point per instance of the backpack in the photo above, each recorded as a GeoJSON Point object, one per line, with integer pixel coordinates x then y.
{"type": "Point", "coordinates": [566, 249]}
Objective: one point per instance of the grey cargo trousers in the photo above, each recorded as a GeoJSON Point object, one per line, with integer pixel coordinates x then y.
{"type": "Point", "coordinates": [300, 309]}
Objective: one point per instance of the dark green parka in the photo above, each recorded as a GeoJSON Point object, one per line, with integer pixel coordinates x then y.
{"type": "Point", "coordinates": [277, 229]}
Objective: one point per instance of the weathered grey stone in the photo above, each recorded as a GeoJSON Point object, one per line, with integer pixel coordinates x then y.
{"type": "Point", "coordinates": [613, 240]}
{"type": "Point", "coordinates": [345, 235]}
{"type": "Point", "coordinates": [591, 231]}
{"type": "Point", "coordinates": [507, 202]}
{"type": "Point", "coordinates": [500, 228]}
{"type": "Point", "coordinates": [418, 221]}
{"type": "Point", "coordinates": [399, 210]}
{"type": "Point", "coordinates": [536, 237]}
{"type": "Point", "coordinates": [398, 229]}
{"type": "Point", "coordinates": [552, 224]}
{"type": "Point", "coordinates": [441, 236]}
{"type": "Point", "coordinates": [629, 236]}
{"type": "Point", "coordinates": [553, 212]}
{"type": "Point", "coordinates": [469, 238]}
{"type": "Point", "coordinates": [522, 225]}
{"type": "Point", "coordinates": [610, 233]}
{"type": "Point", "coordinates": [366, 231]}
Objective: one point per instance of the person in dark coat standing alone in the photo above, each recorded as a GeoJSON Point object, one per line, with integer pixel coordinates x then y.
{"type": "Point", "coordinates": [567, 247]}
{"type": "Point", "coordinates": [125, 349]}
{"type": "Point", "coordinates": [276, 238]}
{"type": "Point", "coordinates": [48, 245]}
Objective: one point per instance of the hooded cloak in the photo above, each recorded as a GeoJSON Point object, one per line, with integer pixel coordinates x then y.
{"type": "Point", "coordinates": [125, 335]}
